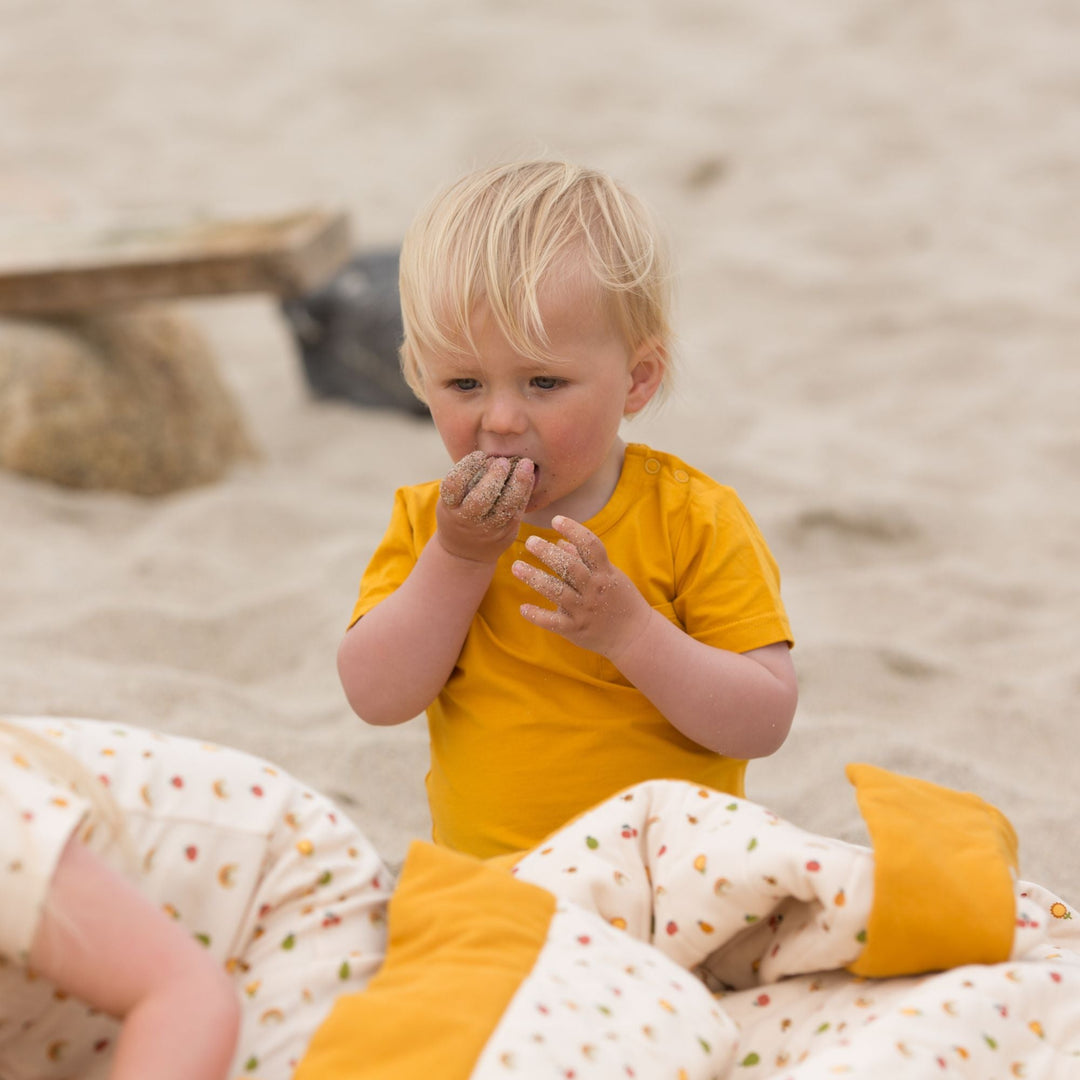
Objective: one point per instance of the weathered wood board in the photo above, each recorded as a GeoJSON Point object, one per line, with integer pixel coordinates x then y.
{"type": "Point", "coordinates": [58, 270]}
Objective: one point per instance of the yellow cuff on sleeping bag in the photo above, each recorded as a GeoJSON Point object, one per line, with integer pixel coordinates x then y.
{"type": "Point", "coordinates": [462, 938]}
{"type": "Point", "coordinates": [944, 864]}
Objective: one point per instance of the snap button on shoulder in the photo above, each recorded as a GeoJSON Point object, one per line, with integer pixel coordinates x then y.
{"type": "Point", "coordinates": [652, 466]}
{"type": "Point", "coordinates": [681, 475]}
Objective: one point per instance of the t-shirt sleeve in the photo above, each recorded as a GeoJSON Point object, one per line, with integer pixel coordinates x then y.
{"type": "Point", "coordinates": [728, 588]}
{"type": "Point", "coordinates": [37, 818]}
{"type": "Point", "coordinates": [392, 562]}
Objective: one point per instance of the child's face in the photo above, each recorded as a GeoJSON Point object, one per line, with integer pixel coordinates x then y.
{"type": "Point", "coordinates": [563, 414]}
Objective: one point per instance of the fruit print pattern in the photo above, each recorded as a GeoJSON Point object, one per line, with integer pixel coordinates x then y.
{"type": "Point", "coordinates": [658, 885]}
{"type": "Point", "coordinates": [707, 868]}
{"type": "Point", "coordinates": [767, 916]}
{"type": "Point", "coordinates": [599, 1004]}
{"type": "Point", "coordinates": [269, 876]}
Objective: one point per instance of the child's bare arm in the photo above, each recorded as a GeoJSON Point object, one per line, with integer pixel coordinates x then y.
{"type": "Point", "coordinates": [739, 704]}
{"type": "Point", "coordinates": [104, 942]}
{"type": "Point", "coordinates": [396, 659]}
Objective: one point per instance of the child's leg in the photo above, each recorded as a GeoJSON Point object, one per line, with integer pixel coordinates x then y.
{"type": "Point", "coordinates": [281, 887]}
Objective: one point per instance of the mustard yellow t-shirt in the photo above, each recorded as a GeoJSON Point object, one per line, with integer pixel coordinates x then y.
{"type": "Point", "coordinates": [530, 729]}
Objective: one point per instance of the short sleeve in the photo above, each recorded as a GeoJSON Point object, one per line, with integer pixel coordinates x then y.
{"type": "Point", "coordinates": [728, 591]}
{"type": "Point", "coordinates": [394, 558]}
{"type": "Point", "coordinates": [37, 818]}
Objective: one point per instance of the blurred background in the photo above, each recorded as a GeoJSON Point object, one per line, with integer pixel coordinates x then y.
{"type": "Point", "coordinates": [872, 210]}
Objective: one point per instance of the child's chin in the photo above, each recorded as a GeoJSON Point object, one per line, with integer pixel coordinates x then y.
{"type": "Point", "coordinates": [537, 501]}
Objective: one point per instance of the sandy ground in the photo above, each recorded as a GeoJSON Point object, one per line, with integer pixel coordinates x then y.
{"type": "Point", "coordinates": [873, 213]}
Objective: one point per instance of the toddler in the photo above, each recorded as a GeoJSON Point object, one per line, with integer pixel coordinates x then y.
{"type": "Point", "coordinates": [575, 614]}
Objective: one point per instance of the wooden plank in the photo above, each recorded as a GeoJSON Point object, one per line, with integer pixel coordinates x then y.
{"type": "Point", "coordinates": [50, 271]}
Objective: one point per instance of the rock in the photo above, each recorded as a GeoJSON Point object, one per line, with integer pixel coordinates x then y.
{"type": "Point", "coordinates": [349, 331]}
{"type": "Point", "coordinates": [128, 399]}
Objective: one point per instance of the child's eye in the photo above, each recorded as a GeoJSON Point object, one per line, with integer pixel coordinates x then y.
{"type": "Point", "coordinates": [546, 382]}
{"type": "Point", "coordinates": [464, 384]}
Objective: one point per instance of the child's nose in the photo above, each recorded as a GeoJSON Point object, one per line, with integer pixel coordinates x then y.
{"type": "Point", "coordinates": [505, 415]}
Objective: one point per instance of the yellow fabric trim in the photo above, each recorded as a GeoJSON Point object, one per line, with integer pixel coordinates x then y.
{"type": "Point", "coordinates": [463, 936]}
{"type": "Point", "coordinates": [943, 876]}
{"type": "Point", "coordinates": [506, 862]}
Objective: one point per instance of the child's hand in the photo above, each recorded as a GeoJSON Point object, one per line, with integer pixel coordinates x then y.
{"type": "Point", "coordinates": [596, 605]}
{"type": "Point", "coordinates": [481, 505]}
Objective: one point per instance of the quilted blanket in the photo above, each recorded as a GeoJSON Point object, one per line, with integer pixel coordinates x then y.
{"type": "Point", "coordinates": [677, 932]}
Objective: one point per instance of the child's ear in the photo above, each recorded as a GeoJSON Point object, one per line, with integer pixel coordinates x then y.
{"type": "Point", "coordinates": [647, 367]}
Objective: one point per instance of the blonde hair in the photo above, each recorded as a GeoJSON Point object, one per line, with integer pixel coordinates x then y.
{"type": "Point", "coordinates": [103, 825]}
{"type": "Point", "coordinates": [497, 235]}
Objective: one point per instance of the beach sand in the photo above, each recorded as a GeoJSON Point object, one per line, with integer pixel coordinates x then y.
{"type": "Point", "coordinates": [872, 210]}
